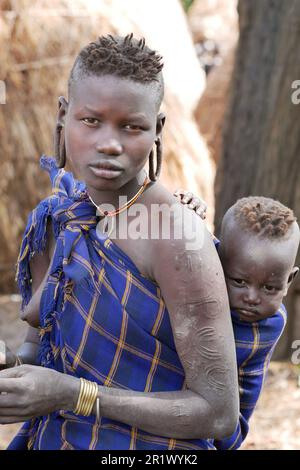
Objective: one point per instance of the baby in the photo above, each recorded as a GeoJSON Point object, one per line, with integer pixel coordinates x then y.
{"type": "Point", "coordinates": [258, 245]}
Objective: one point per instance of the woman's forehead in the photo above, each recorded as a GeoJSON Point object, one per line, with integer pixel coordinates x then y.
{"type": "Point", "coordinates": [96, 91]}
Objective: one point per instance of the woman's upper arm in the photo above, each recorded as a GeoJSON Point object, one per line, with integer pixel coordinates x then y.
{"type": "Point", "coordinates": [39, 263]}
{"type": "Point", "coordinates": [192, 284]}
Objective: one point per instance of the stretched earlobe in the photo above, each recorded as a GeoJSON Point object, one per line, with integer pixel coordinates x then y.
{"type": "Point", "coordinates": [293, 274]}
{"type": "Point", "coordinates": [62, 102]}
{"type": "Point", "coordinates": [59, 146]}
{"type": "Point", "coordinates": [160, 122]}
{"type": "Point", "coordinates": [59, 139]}
{"type": "Point", "coordinates": [154, 173]}
{"type": "Point", "coordinates": [62, 109]}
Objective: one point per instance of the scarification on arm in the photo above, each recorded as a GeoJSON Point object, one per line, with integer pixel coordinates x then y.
{"type": "Point", "coordinates": [188, 261]}
{"type": "Point", "coordinates": [198, 336]}
{"type": "Point", "coordinates": [201, 350]}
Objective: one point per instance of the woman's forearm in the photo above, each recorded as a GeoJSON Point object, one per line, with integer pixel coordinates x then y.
{"type": "Point", "coordinates": [179, 414]}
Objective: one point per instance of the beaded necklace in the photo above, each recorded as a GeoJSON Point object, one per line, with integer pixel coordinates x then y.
{"type": "Point", "coordinates": [103, 225]}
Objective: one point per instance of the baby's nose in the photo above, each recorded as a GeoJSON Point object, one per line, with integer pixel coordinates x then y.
{"type": "Point", "coordinates": [252, 297]}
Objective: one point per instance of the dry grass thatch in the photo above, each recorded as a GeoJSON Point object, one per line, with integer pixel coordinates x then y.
{"type": "Point", "coordinates": [39, 41]}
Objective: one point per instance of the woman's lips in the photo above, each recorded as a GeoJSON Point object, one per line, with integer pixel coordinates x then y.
{"type": "Point", "coordinates": [106, 173]}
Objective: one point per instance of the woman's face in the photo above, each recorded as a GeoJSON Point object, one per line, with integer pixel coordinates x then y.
{"type": "Point", "coordinates": [110, 128]}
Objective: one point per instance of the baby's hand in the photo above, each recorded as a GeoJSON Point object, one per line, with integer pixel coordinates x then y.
{"type": "Point", "coordinates": [194, 202]}
{"type": "Point", "coordinates": [7, 358]}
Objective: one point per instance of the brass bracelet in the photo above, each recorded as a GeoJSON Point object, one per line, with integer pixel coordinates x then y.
{"type": "Point", "coordinates": [94, 394]}
{"type": "Point", "coordinates": [87, 397]}
{"type": "Point", "coordinates": [88, 403]}
{"type": "Point", "coordinates": [98, 410]}
{"type": "Point", "coordinates": [78, 406]}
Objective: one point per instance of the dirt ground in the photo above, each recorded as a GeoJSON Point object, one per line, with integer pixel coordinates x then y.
{"type": "Point", "coordinates": [276, 420]}
{"type": "Point", "coordinates": [275, 424]}
{"type": "Point", "coordinates": [12, 330]}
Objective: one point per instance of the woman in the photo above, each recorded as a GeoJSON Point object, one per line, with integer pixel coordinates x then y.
{"type": "Point", "coordinates": [145, 321]}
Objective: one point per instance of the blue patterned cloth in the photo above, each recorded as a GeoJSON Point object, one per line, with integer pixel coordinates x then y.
{"type": "Point", "coordinates": [254, 343]}
{"type": "Point", "coordinates": [101, 319]}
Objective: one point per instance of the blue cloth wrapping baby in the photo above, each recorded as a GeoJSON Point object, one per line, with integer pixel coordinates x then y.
{"type": "Point", "coordinates": [100, 319]}
{"type": "Point", "coordinates": [254, 343]}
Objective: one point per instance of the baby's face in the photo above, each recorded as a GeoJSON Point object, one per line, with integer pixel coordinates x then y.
{"type": "Point", "coordinates": [258, 273]}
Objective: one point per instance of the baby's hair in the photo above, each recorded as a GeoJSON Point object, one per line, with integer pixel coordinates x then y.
{"type": "Point", "coordinates": [263, 216]}
{"type": "Point", "coordinates": [124, 57]}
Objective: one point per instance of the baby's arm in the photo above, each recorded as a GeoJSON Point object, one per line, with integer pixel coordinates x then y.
{"type": "Point", "coordinates": [255, 343]}
{"type": "Point", "coordinates": [193, 202]}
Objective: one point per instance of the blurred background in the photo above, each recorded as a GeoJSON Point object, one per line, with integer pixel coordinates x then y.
{"type": "Point", "coordinates": [232, 130]}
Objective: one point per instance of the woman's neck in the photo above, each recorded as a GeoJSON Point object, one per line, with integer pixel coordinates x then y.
{"type": "Point", "coordinates": [118, 198]}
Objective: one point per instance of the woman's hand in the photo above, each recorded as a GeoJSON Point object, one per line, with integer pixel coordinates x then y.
{"type": "Point", "coordinates": [194, 202]}
{"type": "Point", "coordinates": [29, 391]}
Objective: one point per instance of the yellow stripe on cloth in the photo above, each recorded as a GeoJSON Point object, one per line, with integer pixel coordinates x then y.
{"type": "Point", "coordinates": [118, 352]}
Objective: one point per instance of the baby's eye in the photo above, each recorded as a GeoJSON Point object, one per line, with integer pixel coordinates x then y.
{"type": "Point", "coordinates": [271, 289]}
{"type": "Point", "coordinates": [239, 282]}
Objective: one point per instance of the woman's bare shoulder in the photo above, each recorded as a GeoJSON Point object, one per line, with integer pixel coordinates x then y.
{"type": "Point", "coordinates": [160, 199]}
{"type": "Point", "coordinates": [157, 193]}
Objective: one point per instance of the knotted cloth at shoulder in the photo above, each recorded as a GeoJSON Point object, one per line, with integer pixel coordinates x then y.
{"type": "Point", "coordinates": [69, 209]}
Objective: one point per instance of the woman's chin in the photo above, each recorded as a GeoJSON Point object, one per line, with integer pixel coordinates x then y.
{"type": "Point", "coordinates": [101, 185]}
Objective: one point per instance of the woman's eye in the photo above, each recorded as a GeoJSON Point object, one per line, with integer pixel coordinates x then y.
{"type": "Point", "coordinates": [132, 127]}
{"type": "Point", "coordinates": [90, 120]}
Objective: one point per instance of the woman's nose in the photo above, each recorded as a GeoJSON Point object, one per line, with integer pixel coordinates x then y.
{"type": "Point", "coordinates": [109, 145]}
